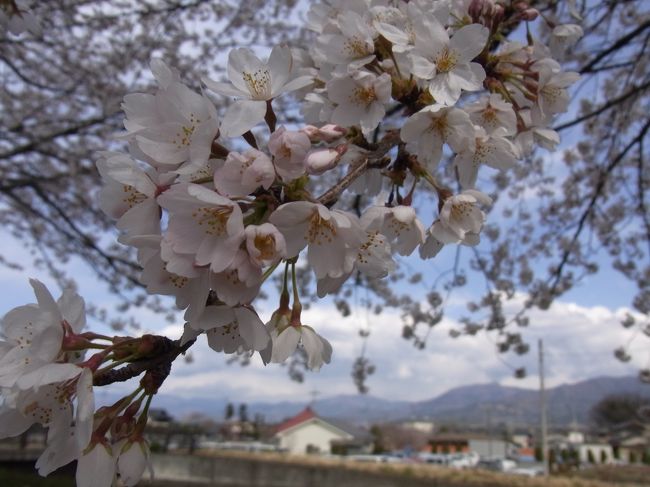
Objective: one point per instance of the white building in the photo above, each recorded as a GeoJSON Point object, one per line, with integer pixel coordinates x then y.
{"type": "Point", "coordinates": [308, 433]}
{"type": "Point", "coordinates": [600, 453]}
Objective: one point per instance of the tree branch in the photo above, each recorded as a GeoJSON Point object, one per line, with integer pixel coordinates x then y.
{"type": "Point", "coordinates": [376, 158]}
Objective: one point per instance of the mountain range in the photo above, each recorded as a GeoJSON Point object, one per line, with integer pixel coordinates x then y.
{"type": "Point", "coordinates": [472, 405]}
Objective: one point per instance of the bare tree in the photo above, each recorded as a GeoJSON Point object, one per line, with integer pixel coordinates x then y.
{"type": "Point", "coordinates": [556, 219]}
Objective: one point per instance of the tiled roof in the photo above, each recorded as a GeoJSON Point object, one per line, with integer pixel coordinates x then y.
{"type": "Point", "coordinates": [305, 415]}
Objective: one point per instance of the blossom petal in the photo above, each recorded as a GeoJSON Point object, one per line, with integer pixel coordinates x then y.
{"type": "Point", "coordinates": [242, 116]}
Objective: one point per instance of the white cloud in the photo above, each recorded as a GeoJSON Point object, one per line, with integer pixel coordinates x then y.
{"type": "Point", "coordinates": [579, 343]}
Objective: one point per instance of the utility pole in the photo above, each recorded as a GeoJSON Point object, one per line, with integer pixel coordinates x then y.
{"type": "Point", "coordinates": [542, 408]}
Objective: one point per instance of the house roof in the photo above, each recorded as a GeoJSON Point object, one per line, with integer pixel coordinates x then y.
{"type": "Point", "coordinates": [308, 415]}
{"type": "Point", "coordinates": [304, 415]}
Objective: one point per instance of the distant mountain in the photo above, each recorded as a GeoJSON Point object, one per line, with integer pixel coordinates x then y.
{"type": "Point", "coordinates": [478, 404]}
{"type": "Point", "coordinates": [472, 405]}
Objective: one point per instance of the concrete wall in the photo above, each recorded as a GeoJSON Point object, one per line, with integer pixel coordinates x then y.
{"type": "Point", "coordinates": [182, 470]}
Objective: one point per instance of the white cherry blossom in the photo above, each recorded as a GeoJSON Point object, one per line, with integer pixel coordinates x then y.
{"type": "Point", "coordinates": [285, 341]}
{"type": "Point", "coordinates": [256, 82]}
{"type": "Point", "coordinates": [33, 334]}
{"type": "Point", "coordinates": [447, 63]}
{"type": "Point", "coordinates": [493, 112]}
{"type": "Point", "coordinates": [289, 149]}
{"type": "Point", "coordinates": [426, 132]}
{"type": "Point", "coordinates": [360, 99]}
{"type": "Point", "coordinates": [242, 174]}
{"type": "Point", "coordinates": [129, 194]}
{"type": "Point", "coordinates": [398, 224]}
{"type": "Point", "coordinates": [265, 244]}
{"type": "Point", "coordinates": [493, 150]}
{"type": "Point", "coordinates": [333, 237]}
{"type": "Point", "coordinates": [173, 127]}
{"type": "Point", "coordinates": [461, 219]}
{"type": "Point", "coordinates": [352, 46]}
{"type": "Point", "coordinates": [229, 329]}
{"type": "Point", "coordinates": [203, 223]}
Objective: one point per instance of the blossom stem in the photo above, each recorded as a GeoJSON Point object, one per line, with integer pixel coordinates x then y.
{"type": "Point", "coordinates": [114, 364]}
{"type": "Point", "coordinates": [294, 284]}
{"type": "Point", "coordinates": [269, 271]}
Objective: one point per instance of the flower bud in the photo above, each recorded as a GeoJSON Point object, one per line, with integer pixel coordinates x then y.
{"type": "Point", "coordinates": [133, 461]}
{"type": "Point", "coordinates": [327, 133]}
{"type": "Point", "coordinates": [320, 160]}
{"type": "Point", "coordinates": [529, 14]}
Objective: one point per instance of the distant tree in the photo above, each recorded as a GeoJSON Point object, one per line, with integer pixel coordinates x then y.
{"type": "Point", "coordinates": [621, 412]}
{"type": "Point", "coordinates": [565, 455]}
{"type": "Point", "coordinates": [243, 413]}
{"type": "Point", "coordinates": [377, 440]}
{"type": "Point", "coordinates": [646, 457]}
{"type": "Point", "coordinates": [230, 411]}
{"type": "Point", "coordinates": [590, 457]}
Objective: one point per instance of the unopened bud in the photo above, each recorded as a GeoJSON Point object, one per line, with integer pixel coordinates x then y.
{"type": "Point", "coordinates": [320, 160]}
{"type": "Point", "coordinates": [520, 6]}
{"type": "Point", "coordinates": [529, 14]}
{"type": "Point", "coordinates": [327, 133]}
{"type": "Point", "coordinates": [479, 7]}
{"type": "Point", "coordinates": [122, 427]}
{"type": "Point", "coordinates": [497, 14]}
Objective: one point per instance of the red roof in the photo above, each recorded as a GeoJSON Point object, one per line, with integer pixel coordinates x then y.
{"type": "Point", "coordinates": [303, 416]}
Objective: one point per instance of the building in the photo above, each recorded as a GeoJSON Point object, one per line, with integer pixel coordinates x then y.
{"type": "Point", "coordinates": [633, 449]}
{"type": "Point", "coordinates": [595, 453]}
{"type": "Point", "coordinates": [423, 426]}
{"type": "Point", "coordinates": [309, 433]}
{"type": "Point", "coordinates": [485, 446]}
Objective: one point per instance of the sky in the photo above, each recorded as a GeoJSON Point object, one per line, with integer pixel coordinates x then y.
{"type": "Point", "coordinates": [579, 332]}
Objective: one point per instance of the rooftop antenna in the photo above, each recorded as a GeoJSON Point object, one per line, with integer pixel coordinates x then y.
{"type": "Point", "coordinates": [314, 393]}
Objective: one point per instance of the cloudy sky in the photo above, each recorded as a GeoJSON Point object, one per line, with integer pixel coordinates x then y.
{"type": "Point", "coordinates": [580, 334]}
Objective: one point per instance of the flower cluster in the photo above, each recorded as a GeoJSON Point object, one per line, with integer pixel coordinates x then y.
{"type": "Point", "coordinates": [46, 379]}
{"type": "Point", "coordinates": [214, 205]}
{"type": "Point", "coordinates": [207, 217]}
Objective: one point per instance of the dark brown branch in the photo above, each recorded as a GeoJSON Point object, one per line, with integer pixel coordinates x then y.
{"type": "Point", "coordinates": [134, 369]}
{"type": "Point", "coordinates": [592, 203]}
{"type": "Point", "coordinates": [606, 106]}
{"type": "Point", "coordinates": [376, 158]}
{"type": "Point", "coordinates": [61, 133]}
{"type": "Point", "coordinates": [617, 45]}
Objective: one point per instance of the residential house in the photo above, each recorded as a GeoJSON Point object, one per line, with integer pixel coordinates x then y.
{"type": "Point", "coordinates": [307, 432]}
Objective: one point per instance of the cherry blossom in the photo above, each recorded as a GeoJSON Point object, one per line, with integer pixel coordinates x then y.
{"type": "Point", "coordinates": [426, 132]}
{"type": "Point", "coordinates": [332, 237]}
{"type": "Point", "coordinates": [242, 174]}
{"type": "Point", "coordinates": [173, 127]}
{"type": "Point", "coordinates": [360, 99]}
{"type": "Point", "coordinates": [289, 149]}
{"type": "Point", "coordinates": [256, 82]}
{"type": "Point", "coordinates": [203, 223]}
{"type": "Point", "coordinates": [446, 63]}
